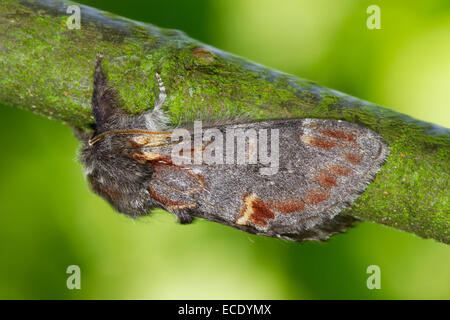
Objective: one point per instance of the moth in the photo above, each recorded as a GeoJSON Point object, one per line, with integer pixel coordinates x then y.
{"type": "Point", "coordinates": [321, 166]}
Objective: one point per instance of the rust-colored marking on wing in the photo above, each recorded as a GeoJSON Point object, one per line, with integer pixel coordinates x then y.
{"type": "Point", "coordinates": [169, 203]}
{"type": "Point", "coordinates": [315, 197]}
{"type": "Point", "coordinates": [140, 141]}
{"type": "Point", "coordinates": [287, 206]}
{"type": "Point", "coordinates": [319, 142]}
{"type": "Point", "coordinates": [254, 210]}
{"type": "Point", "coordinates": [339, 170]}
{"type": "Point", "coordinates": [163, 166]}
{"type": "Point", "coordinates": [353, 158]}
{"type": "Point", "coordinates": [143, 157]}
{"type": "Point", "coordinates": [340, 135]}
{"type": "Point", "coordinates": [326, 180]}
{"type": "Point", "coordinates": [152, 140]}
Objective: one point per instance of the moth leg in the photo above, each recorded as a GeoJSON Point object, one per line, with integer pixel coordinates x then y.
{"type": "Point", "coordinates": [156, 119]}
{"type": "Point", "coordinates": [162, 94]}
{"type": "Point", "coordinates": [183, 215]}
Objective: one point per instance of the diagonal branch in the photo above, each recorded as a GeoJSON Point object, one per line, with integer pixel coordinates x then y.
{"type": "Point", "coordinates": [47, 68]}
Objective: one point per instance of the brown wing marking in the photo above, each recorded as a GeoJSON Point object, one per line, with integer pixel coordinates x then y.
{"type": "Point", "coordinates": [172, 185]}
{"type": "Point", "coordinates": [339, 170]}
{"type": "Point", "coordinates": [286, 206]}
{"type": "Point", "coordinates": [256, 211]}
{"type": "Point", "coordinates": [326, 179]}
{"type": "Point", "coordinates": [353, 158]}
{"type": "Point", "coordinates": [170, 204]}
{"type": "Point", "coordinates": [340, 135]}
{"type": "Point", "coordinates": [315, 197]}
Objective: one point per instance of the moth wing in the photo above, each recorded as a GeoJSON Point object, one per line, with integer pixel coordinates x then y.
{"type": "Point", "coordinates": [321, 167]}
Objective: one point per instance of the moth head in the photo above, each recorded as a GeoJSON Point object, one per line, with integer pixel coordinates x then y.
{"type": "Point", "coordinates": [113, 174]}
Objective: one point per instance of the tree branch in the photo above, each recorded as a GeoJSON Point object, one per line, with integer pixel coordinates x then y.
{"type": "Point", "coordinates": [47, 68]}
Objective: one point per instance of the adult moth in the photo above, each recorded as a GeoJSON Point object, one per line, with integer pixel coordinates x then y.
{"type": "Point", "coordinates": [321, 167]}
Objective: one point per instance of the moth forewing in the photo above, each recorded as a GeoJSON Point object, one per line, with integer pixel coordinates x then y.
{"type": "Point", "coordinates": [323, 166]}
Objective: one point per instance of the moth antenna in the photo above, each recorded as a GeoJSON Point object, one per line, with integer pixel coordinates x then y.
{"type": "Point", "coordinates": [100, 136]}
{"type": "Point", "coordinates": [162, 93]}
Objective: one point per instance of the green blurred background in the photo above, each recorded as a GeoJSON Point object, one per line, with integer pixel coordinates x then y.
{"type": "Point", "coordinates": [50, 220]}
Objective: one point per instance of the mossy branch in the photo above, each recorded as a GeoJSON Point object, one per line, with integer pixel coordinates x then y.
{"type": "Point", "coordinates": [47, 68]}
